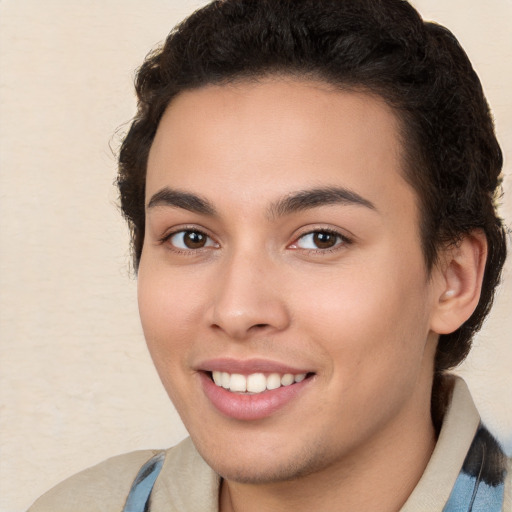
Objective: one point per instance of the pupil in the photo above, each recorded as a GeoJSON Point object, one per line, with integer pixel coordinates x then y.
{"type": "Point", "coordinates": [194, 240]}
{"type": "Point", "coordinates": [324, 240]}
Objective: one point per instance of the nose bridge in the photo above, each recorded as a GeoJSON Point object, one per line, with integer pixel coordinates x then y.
{"type": "Point", "coordinates": [248, 298]}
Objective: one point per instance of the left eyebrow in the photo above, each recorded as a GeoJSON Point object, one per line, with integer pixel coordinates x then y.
{"type": "Point", "coordinates": [313, 198]}
{"type": "Point", "coordinates": [184, 200]}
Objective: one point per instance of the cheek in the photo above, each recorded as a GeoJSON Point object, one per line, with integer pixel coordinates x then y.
{"type": "Point", "coordinates": [169, 309]}
{"type": "Point", "coordinates": [373, 332]}
{"type": "Point", "coordinates": [373, 318]}
{"type": "Point", "coordinates": [165, 313]}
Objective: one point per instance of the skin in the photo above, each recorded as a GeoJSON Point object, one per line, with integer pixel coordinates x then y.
{"type": "Point", "coordinates": [363, 316]}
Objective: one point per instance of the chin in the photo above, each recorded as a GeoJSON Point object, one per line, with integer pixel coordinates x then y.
{"type": "Point", "coordinates": [267, 474]}
{"type": "Point", "coordinates": [265, 466]}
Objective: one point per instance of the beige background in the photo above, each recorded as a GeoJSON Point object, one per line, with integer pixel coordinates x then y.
{"type": "Point", "coordinates": [76, 382]}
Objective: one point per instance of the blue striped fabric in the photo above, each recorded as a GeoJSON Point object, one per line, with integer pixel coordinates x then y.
{"type": "Point", "coordinates": [138, 498]}
{"type": "Point", "coordinates": [478, 488]}
{"type": "Point", "coordinates": [480, 485]}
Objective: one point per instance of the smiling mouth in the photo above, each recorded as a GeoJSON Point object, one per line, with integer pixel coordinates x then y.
{"type": "Point", "coordinates": [255, 383]}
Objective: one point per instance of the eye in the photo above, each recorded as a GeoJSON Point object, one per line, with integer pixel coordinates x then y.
{"type": "Point", "coordinates": [190, 240]}
{"type": "Point", "coordinates": [321, 239]}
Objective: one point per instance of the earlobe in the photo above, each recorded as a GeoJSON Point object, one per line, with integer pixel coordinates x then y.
{"type": "Point", "coordinates": [458, 283]}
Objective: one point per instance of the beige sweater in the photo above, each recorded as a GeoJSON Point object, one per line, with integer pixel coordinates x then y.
{"type": "Point", "coordinates": [187, 484]}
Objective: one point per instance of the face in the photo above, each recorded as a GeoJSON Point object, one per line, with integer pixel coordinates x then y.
{"type": "Point", "coordinates": [282, 288]}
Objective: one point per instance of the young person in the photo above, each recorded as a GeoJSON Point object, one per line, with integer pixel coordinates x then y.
{"type": "Point", "coordinates": [310, 187]}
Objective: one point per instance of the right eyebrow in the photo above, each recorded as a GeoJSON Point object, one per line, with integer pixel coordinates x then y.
{"type": "Point", "coordinates": [177, 199]}
{"type": "Point", "coordinates": [313, 198]}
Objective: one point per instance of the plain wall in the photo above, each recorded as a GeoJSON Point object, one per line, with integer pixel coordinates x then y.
{"type": "Point", "coordinates": [76, 382]}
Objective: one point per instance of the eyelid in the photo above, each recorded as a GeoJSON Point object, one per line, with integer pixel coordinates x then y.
{"type": "Point", "coordinates": [165, 239]}
{"type": "Point", "coordinates": [344, 239]}
{"type": "Point", "coordinates": [309, 230]}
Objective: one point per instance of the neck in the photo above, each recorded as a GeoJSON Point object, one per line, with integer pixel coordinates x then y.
{"type": "Point", "coordinates": [377, 476]}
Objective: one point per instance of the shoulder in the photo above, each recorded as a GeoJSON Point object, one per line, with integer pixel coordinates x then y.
{"type": "Point", "coordinates": [101, 488]}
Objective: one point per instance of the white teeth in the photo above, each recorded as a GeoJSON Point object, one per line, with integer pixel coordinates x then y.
{"type": "Point", "coordinates": [255, 382]}
{"type": "Point", "coordinates": [217, 378]}
{"type": "Point", "coordinates": [225, 380]}
{"type": "Point", "coordinates": [238, 383]}
{"type": "Point", "coordinates": [287, 379]}
{"type": "Point", "coordinates": [274, 381]}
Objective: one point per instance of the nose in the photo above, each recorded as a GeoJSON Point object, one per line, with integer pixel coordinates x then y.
{"type": "Point", "coordinates": [248, 299]}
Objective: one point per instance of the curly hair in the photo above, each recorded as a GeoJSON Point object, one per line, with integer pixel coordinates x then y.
{"type": "Point", "coordinates": [451, 156]}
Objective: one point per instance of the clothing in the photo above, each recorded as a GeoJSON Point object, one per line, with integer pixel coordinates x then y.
{"type": "Point", "coordinates": [467, 469]}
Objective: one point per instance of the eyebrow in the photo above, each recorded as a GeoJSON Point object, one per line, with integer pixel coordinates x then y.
{"type": "Point", "coordinates": [313, 198]}
{"type": "Point", "coordinates": [297, 201]}
{"type": "Point", "coordinates": [179, 199]}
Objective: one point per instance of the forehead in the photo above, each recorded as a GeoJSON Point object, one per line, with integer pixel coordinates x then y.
{"type": "Point", "coordinates": [264, 139]}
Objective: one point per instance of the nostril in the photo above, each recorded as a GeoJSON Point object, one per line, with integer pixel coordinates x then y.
{"type": "Point", "coordinates": [259, 327]}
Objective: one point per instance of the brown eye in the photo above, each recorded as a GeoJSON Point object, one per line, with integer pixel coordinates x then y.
{"type": "Point", "coordinates": [320, 240]}
{"type": "Point", "coordinates": [190, 240]}
{"type": "Point", "coordinates": [194, 240]}
{"type": "Point", "coordinates": [324, 240]}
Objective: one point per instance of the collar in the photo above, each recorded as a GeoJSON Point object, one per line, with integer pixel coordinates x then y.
{"type": "Point", "coordinates": [188, 483]}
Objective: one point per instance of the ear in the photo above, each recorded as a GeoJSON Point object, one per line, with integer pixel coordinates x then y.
{"type": "Point", "coordinates": [458, 282]}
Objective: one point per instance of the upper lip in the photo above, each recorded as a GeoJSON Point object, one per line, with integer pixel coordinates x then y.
{"type": "Point", "coordinates": [248, 366]}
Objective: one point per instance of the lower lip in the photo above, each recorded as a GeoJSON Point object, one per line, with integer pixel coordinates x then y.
{"type": "Point", "coordinates": [248, 407]}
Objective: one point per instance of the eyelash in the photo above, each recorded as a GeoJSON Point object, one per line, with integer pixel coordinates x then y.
{"type": "Point", "coordinates": [188, 252]}
{"type": "Point", "coordinates": [343, 241]}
